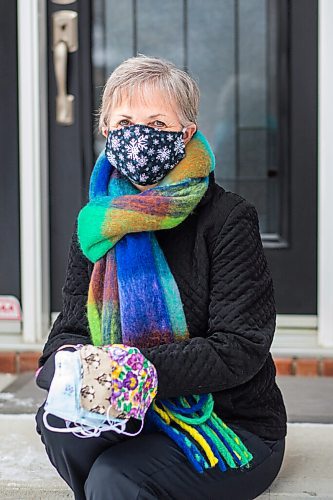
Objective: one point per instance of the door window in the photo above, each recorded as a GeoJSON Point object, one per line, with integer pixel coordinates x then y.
{"type": "Point", "coordinates": [234, 49]}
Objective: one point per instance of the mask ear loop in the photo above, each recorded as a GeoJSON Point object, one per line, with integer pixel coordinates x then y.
{"type": "Point", "coordinates": [83, 431]}
{"type": "Point", "coordinates": [123, 425]}
{"type": "Point", "coordinates": [115, 422]}
{"type": "Point", "coordinates": [66, 429]}
{"type": "Point", "coordinates": [89, 431]}
{"type": "Point", "coordinates": [76, 347]}
{"type": "Point", "coordinates": [86, 431]}
{"type": "Point", "coordinates": [136, 433]}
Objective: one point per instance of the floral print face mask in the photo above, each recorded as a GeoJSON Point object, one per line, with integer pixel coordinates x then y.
{"type": "Point", "coordinates": [144, 154]}
{"type": "Point", "coordinates": [96, 389]}
{"type": "Point", "coordinates": [119, 375]}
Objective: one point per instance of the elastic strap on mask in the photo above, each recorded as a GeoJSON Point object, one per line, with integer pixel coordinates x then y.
{"type": "Point", "coordinates": [76, 347]}
{"type": "Point", "coordinates": [135, 433]}
{"type": "Point", "coordinates": [122, 431]}
{"type": "Point", "coordinates": [86, 431]}
{"type": "Point", "coordinates": [116, 425]}
{"type": "Point", "coordinates": [51, 428]}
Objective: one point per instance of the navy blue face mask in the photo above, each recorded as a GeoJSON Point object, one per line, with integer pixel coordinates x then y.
{"type": "Point", "coordinates": [144, 154]}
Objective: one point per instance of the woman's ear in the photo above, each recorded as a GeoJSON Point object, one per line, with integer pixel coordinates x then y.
{"type": "Point", "coordinates": [189, 132]}
{"type": "Point", "coordinates": [105, 131]}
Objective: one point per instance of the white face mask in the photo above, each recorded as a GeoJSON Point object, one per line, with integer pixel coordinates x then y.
{"type": "Point", "coordinates": [63, 401]}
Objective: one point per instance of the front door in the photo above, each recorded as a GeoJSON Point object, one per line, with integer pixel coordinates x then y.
{"type": "Point", "coordinates": [9, 164]}
{"type": "Point", "coordinates": [256, 65]}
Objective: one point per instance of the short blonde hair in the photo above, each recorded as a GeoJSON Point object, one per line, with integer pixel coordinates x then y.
{"type": "Point", "coordinates": [142, 73]}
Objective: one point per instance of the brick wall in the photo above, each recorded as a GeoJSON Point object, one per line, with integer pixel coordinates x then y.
{"type": "Point", "coordinates": [18, 362]}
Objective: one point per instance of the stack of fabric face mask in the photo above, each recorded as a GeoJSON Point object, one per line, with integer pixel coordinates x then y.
{"type": "Point", "coordinates": [95, 389]}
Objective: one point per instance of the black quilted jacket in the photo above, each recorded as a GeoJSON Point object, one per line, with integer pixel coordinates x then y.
{"type": "Point", "coordinates": [217, 259]}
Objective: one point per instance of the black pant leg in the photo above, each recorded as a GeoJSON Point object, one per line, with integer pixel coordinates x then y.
{"type": "Point", "coordinates": [151, 467]}
{"type": "Point", "coordinates": [73, 456]}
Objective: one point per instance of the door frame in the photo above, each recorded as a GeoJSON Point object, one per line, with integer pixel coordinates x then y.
{"type": "Point", "coordinates": [33, 167]}
{"type": "Point", "coordinates": [325, 162]}
{"type": "Point", "coordinates": [32, 67]}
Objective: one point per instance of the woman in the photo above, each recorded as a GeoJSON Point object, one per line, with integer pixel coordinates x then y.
{"type": "Point", "coordinates": [215, 331]}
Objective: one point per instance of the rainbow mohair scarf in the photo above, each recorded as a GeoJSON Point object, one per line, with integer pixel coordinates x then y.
{"type": "Point", "coordinates": [133, 297]}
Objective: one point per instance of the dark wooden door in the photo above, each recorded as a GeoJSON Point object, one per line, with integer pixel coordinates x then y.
{"type": "Point", "coordinates": [70, 146]}
{"type": "Point", "coordinates": [9, 150]}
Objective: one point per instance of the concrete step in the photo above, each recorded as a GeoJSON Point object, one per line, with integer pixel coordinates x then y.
{"type": "Point", "coordinates": [25, 470]}
{"type": "Point", "coordinates": [26, 473]}
{"type": "Point", "coordinates": [26, 493]}
{"type": "Point", "coordinates": [307, 468]}
{"type": "Point", "coordinates": [307, 399]}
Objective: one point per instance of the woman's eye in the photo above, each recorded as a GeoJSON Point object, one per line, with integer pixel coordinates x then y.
{"type": "Point", "coordinates": [158, 123]}
{"type": "Point", "coordinates": [123, 123]}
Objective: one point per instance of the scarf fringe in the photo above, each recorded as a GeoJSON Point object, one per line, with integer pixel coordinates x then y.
{"type": "Point", "coordinates": [204, 438]}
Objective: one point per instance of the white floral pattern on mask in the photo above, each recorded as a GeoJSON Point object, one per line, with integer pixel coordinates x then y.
{"type": "Point", "coordinates": [144, 154]}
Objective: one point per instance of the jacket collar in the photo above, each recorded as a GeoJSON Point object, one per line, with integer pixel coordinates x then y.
{"type": "Point", "coordinates": [209, 192]}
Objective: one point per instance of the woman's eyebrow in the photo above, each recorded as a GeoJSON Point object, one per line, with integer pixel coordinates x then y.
{"type": "Point", "coordinates": [151, 116]}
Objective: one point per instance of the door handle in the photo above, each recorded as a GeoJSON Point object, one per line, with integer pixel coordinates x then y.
{"type": "Point", "coordinates": [65, 40]}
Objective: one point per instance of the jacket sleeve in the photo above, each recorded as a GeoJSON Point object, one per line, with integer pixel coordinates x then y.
{"type": "Point", "coordinates": [71, 325]}
{"type": "Point", "coordinates": [241, 320]}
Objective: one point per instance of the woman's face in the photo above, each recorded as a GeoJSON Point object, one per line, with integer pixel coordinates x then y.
{"type": "Point", "coordinates": [158, 113]}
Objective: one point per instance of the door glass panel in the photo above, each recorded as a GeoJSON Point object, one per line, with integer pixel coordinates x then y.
{"type": "Point", "coordinates": [233, 49]}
